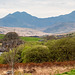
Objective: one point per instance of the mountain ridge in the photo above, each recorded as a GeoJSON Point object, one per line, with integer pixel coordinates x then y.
{"type": "Point", "coordinates": [49, 25]}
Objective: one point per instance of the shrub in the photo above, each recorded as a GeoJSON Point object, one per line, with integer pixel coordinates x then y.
{"type": "Point", "coordinates": [2, 60]}
{"type": "Point", "coordinates": [36, 54]}
{"type": "Point", "coordinates": [11, 40]}
{"type": "Point", "coordinates": [62, 49]}
{"type": "Point", "coordinates": [11, 36]}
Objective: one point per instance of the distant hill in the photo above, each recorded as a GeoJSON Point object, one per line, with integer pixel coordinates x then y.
{"type": "Point", "coordinates": [58, 24]}
{"type": "Point", "coordinates": [22, 31]}
{"type": "Point", "coordinates": [61, 28]}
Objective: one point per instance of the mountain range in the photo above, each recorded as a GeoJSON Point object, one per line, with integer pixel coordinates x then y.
{"type": "Point", "coordinates": [59, 24]}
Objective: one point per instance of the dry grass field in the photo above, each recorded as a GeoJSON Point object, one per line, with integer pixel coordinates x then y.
{"type": "Point", "coordinates": [39, 69]}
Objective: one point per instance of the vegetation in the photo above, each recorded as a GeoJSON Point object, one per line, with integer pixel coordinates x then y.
{"type": "Point", "coordinates": [72, 72]}
{"type": "Point", "coordinates": [32, 50]}
{"type": "Point", "coordinates": [47, 68]}
{"type": "Point", "coordinates": [22, 38]}
{"type": "Point", "coordinates": [11, 36]}
{"type": "Point", "coordinates": [62, 49]}
{"type": "Point", "coordinates": [10, 42]}
{"type": "Point", "coordinates": [46, 51]}
{"type": "Point", "coordinates": [30, 38]}
{"type": "Point", "coordinates": [36, 54]}
{"type": "Point", "coordinates": [1, 36]}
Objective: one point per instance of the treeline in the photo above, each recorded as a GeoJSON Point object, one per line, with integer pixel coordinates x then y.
{"type": "Point", "coordinates": [44, 51]}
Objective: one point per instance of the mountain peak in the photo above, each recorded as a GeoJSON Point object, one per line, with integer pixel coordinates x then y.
{"type": "Point", "coordinates": [73, 12]}
{"type": "Point", "coordinates": [23, 14]}
{"type": "Point", "coordinates": [18, 13]}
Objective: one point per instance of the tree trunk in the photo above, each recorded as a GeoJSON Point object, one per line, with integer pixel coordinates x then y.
{"type": "Point", "coordinates": [12, 68]}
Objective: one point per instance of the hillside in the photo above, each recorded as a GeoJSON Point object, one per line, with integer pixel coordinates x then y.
{"type": "Point", "coordinates": [61, 28]}
{"type": "Point", "coordinates": [22, 31]}
{"type": "Point", "coordinates": [58, 24]}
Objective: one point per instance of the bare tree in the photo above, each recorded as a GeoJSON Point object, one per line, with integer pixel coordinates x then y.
{"type": "Point", "coordinates": [11, 41]}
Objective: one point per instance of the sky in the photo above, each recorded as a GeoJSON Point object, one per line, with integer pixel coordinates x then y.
{"type": "Point", "coordinates": [38, 8]}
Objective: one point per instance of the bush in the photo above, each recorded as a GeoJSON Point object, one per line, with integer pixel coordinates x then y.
{"type": "Point", "coordinates": [11, 40]}
{"type": "Point", "coordinates": [2, 60]}
{"type": "Point", "coordinates": [62, 49]}
{"type": "Point", "coordinates": [36, 54]}
{"type": "Point", "coordinates": [11, 36]}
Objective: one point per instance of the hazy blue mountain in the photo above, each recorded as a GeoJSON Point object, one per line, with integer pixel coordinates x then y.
{"type": "Point", "coordinates": [56, 24]}
{"type": "Point", "coordinates": [62, 27]}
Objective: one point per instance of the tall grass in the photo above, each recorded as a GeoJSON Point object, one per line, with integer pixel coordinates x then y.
{"type": "Point", "coordinates": [45, 71]}
{"type": "Point", "coordinates": [54, 68]}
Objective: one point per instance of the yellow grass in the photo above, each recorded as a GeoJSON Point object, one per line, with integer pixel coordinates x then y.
{"type": "Point", "coordinates": [42, 71]}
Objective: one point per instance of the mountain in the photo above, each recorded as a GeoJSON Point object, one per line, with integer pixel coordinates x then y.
{"type": "Point", "coordinates": [62, 24]}
{"type": "Point", "coordinates": [58, 24]}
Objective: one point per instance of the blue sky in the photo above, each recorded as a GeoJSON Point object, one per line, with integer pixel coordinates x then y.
{"type": "Point", "coordinates": [38, 8]}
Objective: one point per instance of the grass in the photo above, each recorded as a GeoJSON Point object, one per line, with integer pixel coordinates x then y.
{"type": "Point", "coordinates": [24, 38]}
{"type": "Point", "coordinates": [30, 38]}
{"type": "Point", "coordinates": [19, 73]}
{"type": "Point", "coordinates": [72, 72]}
{"type": "Point", "coordinates": [1, 36]}
{"type": "Point", "coordinates": [54, 70]}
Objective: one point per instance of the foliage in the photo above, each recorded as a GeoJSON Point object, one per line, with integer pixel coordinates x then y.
{"type": "Point", "coordinates": [45, 51]}
{"type": "Point", "coordinates": [21, 48]}
{"type": "Point", "coordinates": [62, 49]}
{"type": "Point", "coordinates": [2, 60]}
{"type": "Point", "coordinates": [36, 54]}
{"type": "Point", "coordinates": [11, 40]}
{"type": "Point", "coordinates": [1, 37]}
{"type": "Point", "coordinates": [8, 57]}
{"type": "Point", "coordinates": [51, 37]}
{"type": "Point", "coordinates": [11, 36]}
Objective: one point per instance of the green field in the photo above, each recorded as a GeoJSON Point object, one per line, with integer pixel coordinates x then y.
{"type": "Point", "coordinates": [72, 72]}
{"type": "Point", "coordinates": [1, 36]}
{"type": "Point", "coordinates": [24, 38]}
{"type": "Point", "coordinates": [30, 38]}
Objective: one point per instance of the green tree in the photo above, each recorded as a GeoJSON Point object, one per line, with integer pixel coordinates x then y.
{"type": "Point", "coordinates": [62, 50]}
{"type": "Point", "coordinates": [36, 54]}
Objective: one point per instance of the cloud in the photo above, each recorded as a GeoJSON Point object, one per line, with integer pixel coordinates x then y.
{"type": "Point", "coordinates": [39, 8]}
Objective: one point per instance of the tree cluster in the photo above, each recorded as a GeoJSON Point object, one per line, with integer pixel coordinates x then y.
{"type": "Point", "coordinates": [46, 51]}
